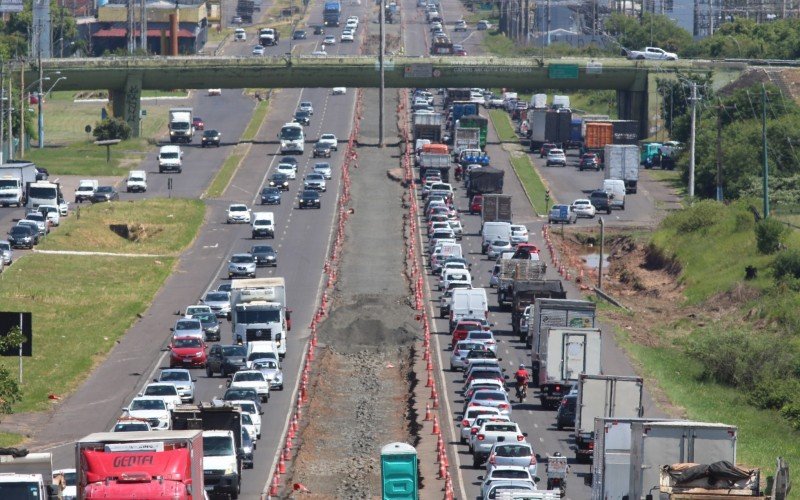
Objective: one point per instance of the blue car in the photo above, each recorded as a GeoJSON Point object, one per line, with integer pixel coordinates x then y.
{"type": "Point", "coordinates": [270, 196]}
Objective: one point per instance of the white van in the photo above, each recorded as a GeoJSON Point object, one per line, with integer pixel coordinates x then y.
{"type": "Point", "coordinates": [239, 35]}
{"type": "Point", "coordinates": [262, 349]}
{"type": "Point", "coordinates": [492, 231]}
{"type": "Point", "coordinates": [442, 252]}
{"type": "Point", "coordinates": [292, 138]}
{"type": "Point", "coordinates": [170, 158]}
{"type": "Point", "coordinates": [616, 188]}
{"type": "Point", "coordinates": [468, 303]}
{"type": "Point", "coordinates": [137, 181]}
{"type": "Point", "coordinates": [263, 225]}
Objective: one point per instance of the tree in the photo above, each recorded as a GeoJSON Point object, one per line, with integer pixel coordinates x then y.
{"type": "Point", "coordinates": [653, 30]}
{"type": "Point", "coordinates": [10, 392]}
{"type": "Point", "coordinates": [112, 128]}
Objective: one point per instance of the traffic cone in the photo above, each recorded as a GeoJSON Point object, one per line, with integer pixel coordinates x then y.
{"type": "Point", "coordinates": [436, 429]}
{"type": "Point", "coordinates": [287, 454]}
{"type": "Point", "coordinates": [442, 470]}
{"type": "Point", "coordinates": [282, 465]}
{"type": "Point", "coordinates": [288, 442]}
{"type": "Point", "coordinates": [430, 380]}
{"type": "Point", "coordinates": [435, 401]}
{"type": "Point", "coordinates": [427, 412]}
{"type": "Point", "coordinates": [273, 489]}
{"type": "Point", "coordinates": [429, 365]}
{"type": "Point", "coordinates": [433, 393]}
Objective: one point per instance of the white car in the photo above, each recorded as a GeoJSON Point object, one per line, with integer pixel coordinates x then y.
{"type": "Point", "coordinates": [491, 433]}
{"type": "Point", "coordinates": [329, 40]}
{"type": "Point", "coordinates": [339, 90]}
{"type": "Point", "coordinates": [219, 302]}
{"type": "Point", "coordinates": [454, 276]}
{"type": "Point", "coordinates": [519, 234]}
{"type": "Point", "coordinates": [503, 473]}
{"type": "Point", "coordinates": [347, 36]}
{"type": "Point", "coordinates": [483, 383]}
{"type": "Point", "coordinates": [324, 169]}
{"type": "Point", "coordinates": [469, 418]}
{"type": "Point", "coordinates": [486, 337]}
{"type": "Point", "coordinates": [272, 372]}
{"type": "Point", "coordinates": [238, 213]}
{"type": "Point", "coordinates": [213, 92]}
{"type": "Point", "coordinates": [70, 491]}
{"type": "Point", "coordinates": [188, 327]}
{"type": "Point", "coordinates": [197, 309]}
{"type": "Point", "coordinates": [653, 53]}
{"type": "Point", "coordinates": [331, 140]}
{"type": "Point", "coordinates": [306, 106]}
{"type": "Point", "coordinates": [167, 392]}
{"type": "Point", "coordinates": [288, 169]}
{"type": "Point", "coordinates": [250, 407]}
{"type": "Point", "coordinates": [258, 50]}
{"type": "Point", "coordinates": [52, 213]}
{"type": "Point", "coordinates": [351, 25]}
{"type": "Point", "coordinates": [353, 20]}
{"type": "Point", "coordinates": [316, 182]}
{"type": "Point", "coordinates": [319, 53]}
{"type": "Point", "coordinates": [497, 247]}
{"type": "Point", "coordinates": [584, 208]}
{"type": "Point", "coordinates": [556, 157]}
{"type": "Point", "coordinates": [152, 409]}
{"type": "Point", "coordinates": [252, 379]}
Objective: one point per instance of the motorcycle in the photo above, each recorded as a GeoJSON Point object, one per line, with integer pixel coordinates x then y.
{"type": "Point", "coordinates": [522, 392]}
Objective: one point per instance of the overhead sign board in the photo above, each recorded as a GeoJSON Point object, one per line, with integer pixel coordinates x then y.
{"type": "Point", "coordinates": [562, 71]}
{"type": "Point", "coordinates": [11, 6]}
{"type": "Point", "coordinates": [419, 71]}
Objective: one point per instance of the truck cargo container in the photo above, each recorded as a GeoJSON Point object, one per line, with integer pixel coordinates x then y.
{"type": "Point", "coordinates": [597, 135]}
{"type": "Point", "coordinates": [539, 101]}
{"type": "Point", "coordinates": [453, 95]}
{"type": "Point", "coordinates": [565, 355]}
{"type": "Point", "coordinates": [14, 176]}
{"type": "Point", "coordinates": [537, 123]}
{"type": "Point", "coordinates": [525, 293]}
{"type": "Point", "coordinates": [462, 108]}
{"type": "Point", "coordinates": [27, 476]}
{"type": "Point", "coordinates": [625, 131]}
{"type": "Point", "coordinates": [427, 126]}
{"type": "Point", "coordinates": [484, 180]}
{"type": "Point", "coordinates": [513, 270]}
{"type": "Point", "coordinates": [465, 138]}
{"type": "Point", "coordinates": [441, 162]}
{"type": "Point", "coordinates": [585, 119]}
{"type": "Point", "coordinates": [557, 127]}
{"type": "Point", "coordinates": [549, 313]}
{"type": "Point", "coordinates": [496, 208]}
{"type": "Point", "coordinates": [575, 138]}
{"type": "Point", "coordinates": [622, 163]}
{"type": "Point", "coordinates": [479, 122]}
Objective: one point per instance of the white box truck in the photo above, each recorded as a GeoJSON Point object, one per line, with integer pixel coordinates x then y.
{"type": "Point", "coordinates": [622, 163]}
{"type": "Point", "coordinates": [602, 396]}
{"type": "Point", "coordinates": [565, 354]}
{"type": "Point", "coordinates": [258, 311]}
{"type": "Point", "coordinates": [181, 127]}
{"type": "Point", "coordinates": [13, 178]}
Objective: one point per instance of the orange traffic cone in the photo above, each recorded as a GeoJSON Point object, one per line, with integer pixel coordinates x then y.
{"type": "Point", "coordinates": [427, 412]}
{"type": "Point", "coordinates": [436, 429]}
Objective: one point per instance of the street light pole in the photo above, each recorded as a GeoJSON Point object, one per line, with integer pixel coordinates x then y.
{"type": "Point", "coordinates": [39, 101]}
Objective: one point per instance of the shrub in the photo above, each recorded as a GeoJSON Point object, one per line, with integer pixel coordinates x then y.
{"type": "Point", "coordinates": [787, 265]}
{"type": "Point", "coordinates": [791, 412]}
{"type": "Point", "coordinates": [112, 128]}
{"type": "Point", "coordinates": [770, 234]}
{"type": "Point", "coordinates": [775, 394]}
{"type": "Point", "coordinates": [699, 216]}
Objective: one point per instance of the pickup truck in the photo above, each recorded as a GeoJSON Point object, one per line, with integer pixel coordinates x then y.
{"type": "Point", "coordinates": [491, 433]}
{"type": "Point", "coordinates": [653, 53]}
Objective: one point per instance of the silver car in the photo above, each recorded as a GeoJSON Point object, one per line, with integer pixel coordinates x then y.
{"type": "Point", "coordinates": [497, 399]}
{"type": "Point", "coordinates": [324, 169]}
{"type": "Point", "coordinates": [219, 302]}
{"type": "Point", "coordinates": [459, 353]}
{"type": "Point", "coordinates": [315, 181]}
{"type": "Point", "coordinates": [242, 264]}
{"type": "Point", "coordinates": [519, 454]}
{"type": "Point", "coordinates": [181, 379]}
{"type": "Point", "coordinates": [272, 372]}
{"type": "Point", "coordinates": [188, 327]}
{"type": "Point", "coordinates": [7, 252]}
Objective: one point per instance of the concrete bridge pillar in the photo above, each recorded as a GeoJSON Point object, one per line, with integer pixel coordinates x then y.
{"type": "Point", "coordinates": [127, 102]}
{"type": "Point", "coordinates": [633, 105]}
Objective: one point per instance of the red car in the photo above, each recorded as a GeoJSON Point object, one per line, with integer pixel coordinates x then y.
{"type": "Point", "coordinates": [524, 250]}
{"type": "Point", "coordinates": [198, 123]}
{"type": "Point", "coordinates": [462, 329]}
{"type": "Point", "coordinates": [546, 147]}
{"type": "Point", "coordinates": [476, 205]}
{"type": "Point", "coordinates": [187, 352]}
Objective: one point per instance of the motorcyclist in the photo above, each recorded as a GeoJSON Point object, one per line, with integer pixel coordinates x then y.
{"type": "Point", "coordinates": [522, 377]}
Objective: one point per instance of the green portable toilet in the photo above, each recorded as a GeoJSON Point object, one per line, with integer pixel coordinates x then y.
{"type": "Point", "coordinates": [399, 472]}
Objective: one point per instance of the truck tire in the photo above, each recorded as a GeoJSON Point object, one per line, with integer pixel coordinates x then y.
{"type": "Point", "coordinates": [209, 373]}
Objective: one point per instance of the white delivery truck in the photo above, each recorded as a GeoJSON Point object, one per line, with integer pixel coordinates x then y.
{"type": "Point", "coordinates": [13, 178]}
{"type": "Point", "coordinates": [468, 303]}
{"type": "Point", "coordinates": [43, 193]}
{"type": "Point", "coordinates": [258, 311]}
{"type": "Point", "coordinates": [566, 354]}
{"type": "Point", "coordinates": [622, 163]}
{"type": "Point", "coordinates": [181, 126]}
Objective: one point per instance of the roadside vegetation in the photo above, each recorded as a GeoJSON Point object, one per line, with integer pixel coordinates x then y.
{"type": "Point", "coordinates": [82, 305]}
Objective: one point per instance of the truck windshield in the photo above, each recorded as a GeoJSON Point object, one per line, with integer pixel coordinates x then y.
{"type": "Point", "coordinates": [180, 126]}
{"type": "Point", "coordinates": [217, 446]}
{"type": "Point", "coordinates": [8, 183]}
{"type": "Point", "coordinates": [43, 192]}
{"type": "Point", "coordinates": [291, 133]}
{"type": "Point", "coordinates": [169, 156]}
{"type": "Point", "coordinates": [21, 491]}
{"type": "Point", "coordinates": [255, 316]}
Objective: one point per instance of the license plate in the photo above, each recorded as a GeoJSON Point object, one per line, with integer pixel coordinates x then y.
{"type": "Point", "coordinates": [187, 360]}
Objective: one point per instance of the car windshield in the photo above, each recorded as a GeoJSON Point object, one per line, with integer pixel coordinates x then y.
{"type": "Point", "coordinates": [217, 446]}
{"type": "Point", "coordinates": [509, 474]}
{"type": "Point", "coordinates": [175, 377]}
{"type": "Point", "coordinates": [237, 208]}
{"type": "Point", "coordinates": [468, 327]}
{"type": "Point", "coordinates": [262, 249]}
{"type": "Point", "coordinates": [205, 317]}
{"type": "Point", "coordinates": [513, 451]}
{"type": "Point", "coordinates": [210, 133]}
{"type": "Point", "coordinates": [187, 325]}
{"type": "Point", "coordinates": [19, 230]}
{"type": "Point", "coordinates": [480, 335]}
{"type": "Point", "coordinates": [105, 189]}
{"type": "Point", "coordinates": [148, 404]}
{"type": "Point", "coordinates": [490, 396]}
{"type": "Point", "coordinates": [169, 155]}
{"type": "Point", "coordinates": [217, 297]}
{"type": "Point", "coordinates": [161, 390]}
{"type": "Point", "coordinates": [248, 377]}
{"type": "Point", "coordinates": [262, 222]}
{"type": "Point", "coordinates": [501, 428]}
{"type": "Point", "coordinates": [469, 346]}
{"type": "Point", "coordinates": [279, 177]}
{"type": "Point", "coordinates": [241, 259]}
{"type": "Point", "coordinates": [234, 351]}
{"type": "Point", "coordinates": [131, 427]}
{"type": "Point", "coordinates": [240, 393]}
{"type": "Point", "coordinates": [311, 195]}
{"type": "Point", "coordinates": [250, 316]}
{"type": "Point", "coordinates": [248, 407]}
{"type": "Point", "coordinates": [322, 166]}
{"type": "Point", "coordinates": [267, 364]}
{"type": "Point", "coordinates": [315, 177]}
{"type": "Point", "coordinates": [182, 343]}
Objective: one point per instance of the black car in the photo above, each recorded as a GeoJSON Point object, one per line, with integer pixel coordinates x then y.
{"type": "Point", "coordinates": [210, 138]}
{"type": "Point", "coordinates": [322, 150]}
{"type": "Point", "coordinates": [588, 163]}
{"type": "Point", "coordinates": [309, 198]}
{"type": "Point", "coordinates": [22, 237]}
{"type": "Point", "coordinates": [265, 255]}
{"type": "Point", "coordinates": [270, 196]}
{"type": "Point", "coordinates": [280, 181]}
{"type": "Point", "coordinates": [210, 325]}
{"type": "Point", "coordinates": [226, 359]}
{"type": "Point", "coordinates": [299, 35]}
{"type": "Point", "coordinates": [565, 417]}
{"type": "Point", "coordinates": [319, 30]}
{"type": "Point", "coordinates": [601, 201]}
{"type": "Point", "coordinates": [302, 117]}
{"type": "Point", "coordinates": [105, 193]}
{"type": "Point", "coordinates": [239, 393]}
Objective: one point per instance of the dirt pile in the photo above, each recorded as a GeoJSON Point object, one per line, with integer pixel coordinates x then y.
{"type": "Point", "coordinates": [369, 322]}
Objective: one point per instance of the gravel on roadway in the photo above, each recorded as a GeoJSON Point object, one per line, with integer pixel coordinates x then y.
{"type": "Point", "coordinates": [359, 393]}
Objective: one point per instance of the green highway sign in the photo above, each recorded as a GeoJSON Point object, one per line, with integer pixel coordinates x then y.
{"type": "Point", "coordinates": [562, 71]}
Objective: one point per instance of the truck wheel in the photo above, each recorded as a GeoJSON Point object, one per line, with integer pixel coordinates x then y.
{"type": "Point", "coordinates": [209, 373]}
{"type": "Point", "coordinates": [476, 461]}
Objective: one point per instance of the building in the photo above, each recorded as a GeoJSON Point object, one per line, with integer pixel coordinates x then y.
{"type": "Point", "coordinates": [117, 29]}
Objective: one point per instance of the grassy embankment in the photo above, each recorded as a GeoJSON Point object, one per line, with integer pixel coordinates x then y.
{"type": "Point", "coordinates": [81, 305]}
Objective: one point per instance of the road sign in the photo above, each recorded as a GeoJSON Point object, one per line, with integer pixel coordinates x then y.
{"type": "Point", "coordinates": [419, 71]}
{"type": "Point", "coordinates": [11, 6]}
{"type": "Point", "coordinates": [594, 68]}
{"type": "Point", "coordinates": [562, 71]}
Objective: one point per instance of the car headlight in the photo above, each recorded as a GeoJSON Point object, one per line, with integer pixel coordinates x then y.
{"type": "Point", "coordinates": [198, 355]}
{"type": "Point", "coordinates": [229, 470]}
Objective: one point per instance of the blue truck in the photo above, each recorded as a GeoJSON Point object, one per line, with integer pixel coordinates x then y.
{"type": "Point", "coordinates": [331, 13]}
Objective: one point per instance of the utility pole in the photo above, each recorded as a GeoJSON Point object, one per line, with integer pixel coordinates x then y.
{"type": "Point", "coordinates": [10, 109]}
{"type": "Point", "coordinates": [2, 111]}
{"type": "Point", "coordinates": [143, 26]}
{"type": "Point", "coordinates": [692, 134]}
{"type": "Point", "coordinates": [381, 20]}
{"type": "Point", "coordinates": [764, 148]}
{"type": "Point", "coordinates": [39, 101]}
{"type": "Point", "coordinates": [548, 23]}
{"type": "Point", "coordinates": [22, 107]}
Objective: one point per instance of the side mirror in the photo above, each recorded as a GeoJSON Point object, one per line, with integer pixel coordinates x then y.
{"type": "Point", "coordinates": [155, 380]}
{"type": "Point", "coordinates": [194, 380]}
{"type": "Point", "coordinates": [499, 359]}
{"type": "Point", "coordinates": [505, 377]}
{"type": "Point", "coordinates": [525, 434]}
{"type": "Point", "coordinates": [536, 479]}
{"type": "Point", "coordinates": [261, 412]}
{"type": "Point", "coordinates": [171, 329]}
{"type": "Point", "coordinates": [480, 478]}
{"type": "Point", "coordinates": [124, 408]}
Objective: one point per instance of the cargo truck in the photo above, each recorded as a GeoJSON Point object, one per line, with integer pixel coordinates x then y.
{"type": "Point", "coordinates": [461, 109]}
{"type": "Point", "coordinates": [453, 95]}
{"type": "Point", "coordinates": [597, 135]}
{"type": "Point", "coordinates": [167, 464]}
{"type": "Point", "coordinates": [27, 476]}
{"type": "Point", "coordinates": [268, 36]}
{"type": "Point", "coordinates": [496, 208]}
{"type": "Point", "coordinates": [539, 101]}
{"type": "Point", "coordinates": [565, 355]}
{"type": "Point", "coordinates": [258, 311]}
{"type": "Point", "coordinates": [441, 162]}
{"type": "Point", "coordinates": [484, 180]}
{"type": "Point", "coordinates": [43, 193]}
{"type": "Point", "coordinates": [331, 12]}
{"type": "Point", "coordinates": [14, 176]}
{"type": "Point", "coordinates": [622, 163]}
{"type": "Point", "coordinates": [524, 293]}
{"type": "Point", "coordinates": [514, 270]}
{"type": "Point", "coordinates": [603, 396]}
{"type": "Point", "coordinates": [465, 138]}
{"type": "Point", "coordinates": [575, 138]}
{"type": "Point", "coordinates": [479, 122]}
{"type": "Point", "coordinates": [181, 128]}
{"type": "Point", "coordinates": [548, 313]}
{"type": "Point", "coordinates": [557, 127]}
{"type": "Point", "coordinates": [625, 131]}
{"type": "Point", "coordinates": [537, 121]}
{"type": "Point", "coordinates": [427, 126]}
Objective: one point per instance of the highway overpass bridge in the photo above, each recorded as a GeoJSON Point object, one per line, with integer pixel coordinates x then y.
{"type": "Point", "coordinates": [126, 77]}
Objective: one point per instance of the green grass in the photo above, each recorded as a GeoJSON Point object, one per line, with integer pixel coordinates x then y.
{"type": "Point", "coordinates": [224, 176]}
{"type": "Point", "coordinates": [166, 227]}
{"type": "Point", "coordinates": [763, 435]}
{"type": "Point", "coordinates": [534, 187]}
{"type": "Point", "coordinates": [502, 125]}
{"type": "Point", "coordinates": [71, 333]}
{"type": "Point", "coordinates": [84, 158]}
{"type": "Point", "coordinates": [498, 44]}
{"type": "Point", "coordinates": [256, 120]}
{"type": "Point", "coordinates": [8, 439]}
